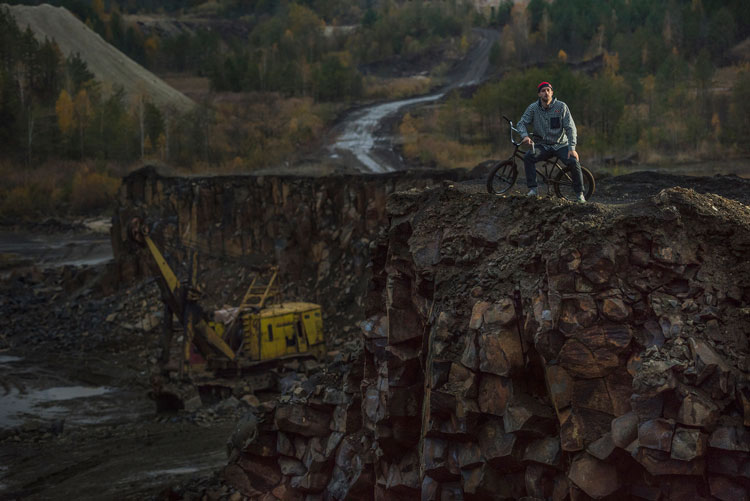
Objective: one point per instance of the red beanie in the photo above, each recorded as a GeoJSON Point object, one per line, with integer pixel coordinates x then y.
{"type": "Point", "coordinates": [543, 85]}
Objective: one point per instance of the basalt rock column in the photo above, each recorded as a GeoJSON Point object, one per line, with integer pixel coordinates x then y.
{"type": "Point", "coordinates": [623, 372]}
{"type": "Point", "coordinates": [534, 348]}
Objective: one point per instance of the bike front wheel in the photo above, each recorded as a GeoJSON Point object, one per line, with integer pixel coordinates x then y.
{"type": "Point", "coordinates": [502, 177]}
{"type": "Point", "coordinates": [564, 183]}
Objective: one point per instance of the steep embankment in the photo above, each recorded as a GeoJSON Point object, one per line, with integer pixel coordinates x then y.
{"type": "Point", "coordinates": [110, 66]}
{"type": "Point", "coordinates": [618, 370]}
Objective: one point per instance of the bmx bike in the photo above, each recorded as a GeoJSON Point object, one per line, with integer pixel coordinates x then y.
{"type": "Point", "coordinates": [555, 176]}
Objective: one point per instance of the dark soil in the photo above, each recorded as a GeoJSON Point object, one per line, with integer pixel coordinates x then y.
{"type": "Point", "coordinates": [635, 186]}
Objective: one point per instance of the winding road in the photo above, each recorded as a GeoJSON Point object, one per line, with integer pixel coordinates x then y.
{"type": "Point", "coordinates": [364, 139]}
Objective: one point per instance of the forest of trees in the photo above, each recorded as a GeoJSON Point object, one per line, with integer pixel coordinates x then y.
{"type": "Point", "coordinates": [54, 108]}
{"type": "Point", "coordinates": [650, 88]}
{"type": "Point", "coordinates": [639, 76]}
{"type": "Point", "coordinates": [295, 79]}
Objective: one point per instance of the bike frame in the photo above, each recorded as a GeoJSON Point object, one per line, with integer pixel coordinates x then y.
{"type": "Point", "coordinates": [548, 165]}
{"type": "Point", "coordinates": [503, 174]}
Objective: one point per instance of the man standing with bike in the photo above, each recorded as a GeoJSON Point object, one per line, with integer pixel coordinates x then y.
{"type": "Point", "coordinates": [553, 124]}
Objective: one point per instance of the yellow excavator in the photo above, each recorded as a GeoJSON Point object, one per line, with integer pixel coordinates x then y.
{"type": "Point", "coordinates": [261, 331]}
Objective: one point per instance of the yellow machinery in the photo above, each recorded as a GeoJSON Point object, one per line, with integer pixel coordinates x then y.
{"type": "Point", "coordinates": [283, 329]}
{"type": "Point", "coordinates": [272, 331]}
{"type": "Point", "coordinates": [263, 329]}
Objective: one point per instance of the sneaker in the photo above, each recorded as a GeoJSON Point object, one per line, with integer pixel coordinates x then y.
{"type": "Point", "coordinates": [532, 193]}
{"type": "Point", "coordinates": [581, 199]}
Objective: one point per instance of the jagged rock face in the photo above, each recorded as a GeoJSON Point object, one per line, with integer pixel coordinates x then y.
{"type": "Point", "coordinates": [614, 375]}
{"type": "Point", "coordinates": [619, 368]}
{"type": "Point", "coordinates": [317, 230]}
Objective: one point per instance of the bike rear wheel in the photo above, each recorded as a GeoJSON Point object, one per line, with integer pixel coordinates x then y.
{"type": "Point", "coordinates": [502, 177]}
{"type": "Point", "coordinates": [564, 183]}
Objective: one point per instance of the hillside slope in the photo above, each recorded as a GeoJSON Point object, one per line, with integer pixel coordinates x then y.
{"type": "Point", "coordinates": [110, 66]}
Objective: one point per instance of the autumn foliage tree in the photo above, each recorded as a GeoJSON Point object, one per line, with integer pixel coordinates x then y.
{"type": "Point", "coordinates": [64, 111]}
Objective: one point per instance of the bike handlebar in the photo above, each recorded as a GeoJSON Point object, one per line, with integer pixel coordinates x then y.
{"type": "Point", "coordinates": [511, 131]}
{"type": "Point", "coordinates": [516, 130]}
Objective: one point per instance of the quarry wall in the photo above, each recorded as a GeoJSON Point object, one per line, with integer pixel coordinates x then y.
{"type": "Point", "coordinates": [531, 349]}
{"type": "Point", "coordinates": [317, 230]}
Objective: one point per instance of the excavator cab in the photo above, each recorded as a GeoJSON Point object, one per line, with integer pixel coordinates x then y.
{"type": "Point", "coordinates": [282, 330]}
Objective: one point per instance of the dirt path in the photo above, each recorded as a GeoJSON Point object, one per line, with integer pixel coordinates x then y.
{"type": "Point", "coordinates": [365, 138]}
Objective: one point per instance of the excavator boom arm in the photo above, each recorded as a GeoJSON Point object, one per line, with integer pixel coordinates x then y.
{"type": "Point", "coordinates": [177, 301]}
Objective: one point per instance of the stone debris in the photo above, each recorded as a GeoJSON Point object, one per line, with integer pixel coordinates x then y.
{"type": "Point", "coordinates": [306, 443]}
{"type": "Point", "coordinates": [621, 373]}
{"type": "Point", "coordinates": [74, 309]}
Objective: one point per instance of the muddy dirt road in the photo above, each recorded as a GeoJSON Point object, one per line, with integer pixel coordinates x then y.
{"type": "Point", "coordinates": [84, 246]}
{"type": "Point", "coordinates": [93, 435]}
{"type": "Point", "coordinates": [365, 138]}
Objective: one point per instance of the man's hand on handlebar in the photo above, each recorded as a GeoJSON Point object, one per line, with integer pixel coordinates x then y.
{"type": "Point", "coordinates": [573, 153]}
{"type": "Point", "coordinates": [527, 141]}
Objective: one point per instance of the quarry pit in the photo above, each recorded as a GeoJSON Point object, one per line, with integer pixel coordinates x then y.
{"type": "Point", "coordinates": [479, 347]}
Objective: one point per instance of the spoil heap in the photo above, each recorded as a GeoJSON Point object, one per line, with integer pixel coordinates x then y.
{"type": "Point", "coordinates": [531, 348]}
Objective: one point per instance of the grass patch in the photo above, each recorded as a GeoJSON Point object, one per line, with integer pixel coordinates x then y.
{"type": "Point", "coordinates": [445, 153]}
{"type": "Point", "coordinates": [396, 88]}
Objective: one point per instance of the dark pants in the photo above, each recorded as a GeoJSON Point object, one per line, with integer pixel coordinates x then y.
{"type": "Point", "coordinates": [545, 152]}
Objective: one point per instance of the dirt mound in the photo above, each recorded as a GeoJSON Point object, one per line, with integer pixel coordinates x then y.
{"type": "Point", "coordinates": [110, 66]}
{"type": "Point", "coordinates": [648, 183]}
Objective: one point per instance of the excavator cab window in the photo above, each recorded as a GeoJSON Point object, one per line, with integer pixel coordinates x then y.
{"type": "Point", "coordinates": [270, 332]}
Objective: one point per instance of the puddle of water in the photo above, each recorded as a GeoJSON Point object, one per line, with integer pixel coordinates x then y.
{"type": "Point", "coordinates": [150, 475]}
{"type": "Point", "coordinates": [69, 393]}
{"type": "Point", "coordinates": [88, 261]}
{"type": "Point", "coordinates": [16, 407]}
{"type": "Point", "coordinates": [7, 359]}
{"type": "Point", "coordinates": [174, 471]}
{"type": "Point", "coordinates": [57, 250]}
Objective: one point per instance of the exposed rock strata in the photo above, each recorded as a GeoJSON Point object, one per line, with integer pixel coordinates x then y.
{"type": "Point", "coordinates": [622, 372]}
{"type": "Point", "coordinates": [318, 230]}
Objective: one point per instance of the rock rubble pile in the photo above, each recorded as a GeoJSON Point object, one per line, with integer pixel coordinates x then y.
{"type": "Point", "coordinates": [73, 309]}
